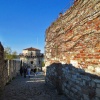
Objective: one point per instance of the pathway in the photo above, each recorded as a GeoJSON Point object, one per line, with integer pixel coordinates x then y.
{"type": "Point", "coordinates": [33, 88]}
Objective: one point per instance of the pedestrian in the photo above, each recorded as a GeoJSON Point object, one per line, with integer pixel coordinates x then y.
{"type": "Point", "coordinates": [29, 71]}
{"type": "Point", "coordinates": [21, 70]}
{"type": "Point", "coordinates": [25, 71]}
{"type": "Point", "coordinates": [35, 71]}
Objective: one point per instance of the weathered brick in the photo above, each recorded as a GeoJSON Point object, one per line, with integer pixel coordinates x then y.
{"type": "Point", "coordinates": [74, 39]}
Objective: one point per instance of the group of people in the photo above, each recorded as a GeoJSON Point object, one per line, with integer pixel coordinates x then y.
{"type": "Point", "coordinates": [26, 70]}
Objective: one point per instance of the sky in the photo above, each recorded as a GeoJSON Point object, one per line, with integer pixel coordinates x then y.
{"type": "Point", "coordinates": [23, 22]}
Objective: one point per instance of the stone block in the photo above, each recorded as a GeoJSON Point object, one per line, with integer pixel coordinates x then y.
{"type": "Point", "coordinates": [67, 91]}
{"type": "Point", "coordinates": [97, 98]}
{"type": "Point", "coordinates": [86, 97]}
{"type": "Point", "coordinates": [97, 70]}
{"type": "Point", "coordinates": [84, 82]}
{"type": "Point", "coordinates": [74, 90]}
{"type": "Point", "coordinates": [98, 92]}
{"type": "Point", "coordinates": [91, 68]}
{"type": "Point", "coordinates": [87, 78]}
{"type": "Point", "coordinates": [98, 85]}
{"type": "Point", "coordinates": [78, 88]}
{"type": "Point", "coordinates": [97, 81]}
{"type": "Point", "coordinates": [92, 84]}
{"type": "Point", "coordinates": [63, 87]}
{"type": "Point", "coordinates": [64, 84]}
{"type": "Point", "coordinates": [77, 81]}
{"type": "Point", "coordinates": [89, 71]}
{"type": "Point", "coordinates": [71, 94]}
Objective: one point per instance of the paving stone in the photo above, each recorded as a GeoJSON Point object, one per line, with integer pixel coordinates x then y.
{"type": "Point", "coordinates": [33, 88]}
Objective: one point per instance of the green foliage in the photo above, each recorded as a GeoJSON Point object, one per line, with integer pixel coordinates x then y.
{"type": "Point", "coordinates": [43, 64]}
{"type": "Point", "coordinates": [14, 54]}
{"type": "Point", "coordinates": [8, 54]}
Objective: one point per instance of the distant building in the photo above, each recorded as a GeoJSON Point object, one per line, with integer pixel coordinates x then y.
{"type": "Point", "coordinates": [32, 57]}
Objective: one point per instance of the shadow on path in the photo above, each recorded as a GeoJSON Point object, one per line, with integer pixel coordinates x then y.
{"type": "Point", "coordinates": [33, 88]}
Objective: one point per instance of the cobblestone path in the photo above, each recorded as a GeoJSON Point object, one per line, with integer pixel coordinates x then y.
{"type": "Point", "coordinates": [33, 88]}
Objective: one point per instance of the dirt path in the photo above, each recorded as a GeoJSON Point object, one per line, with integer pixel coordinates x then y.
{"type": "Point", "coordinates": [33, 88]}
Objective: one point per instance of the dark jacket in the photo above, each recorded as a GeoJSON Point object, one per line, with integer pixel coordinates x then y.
{"type": "Point", "coordinates": [25, 70]}
{"type": "Point", "coordinates": [21, 70]}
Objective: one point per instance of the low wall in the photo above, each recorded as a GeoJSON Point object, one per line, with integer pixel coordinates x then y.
{"type": "Point", "coordinates": [73, 82]}
{"type": "Point", "coordinates": [12, 68]}
{"type": "Point", "coordinates": [8, 69]}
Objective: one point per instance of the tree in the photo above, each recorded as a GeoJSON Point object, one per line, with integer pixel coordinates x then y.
{"type": "Point", "coordinates": [14, 54]}
{"type": "Point", "coordinates": [43, 64]}
{"type": "Point", "coordinates": [8, 54]}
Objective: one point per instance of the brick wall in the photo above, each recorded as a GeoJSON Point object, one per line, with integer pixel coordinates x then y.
{"type": "Point", "coordinates": [74, 39]}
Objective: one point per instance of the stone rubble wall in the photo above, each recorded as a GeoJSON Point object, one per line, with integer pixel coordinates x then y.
{"type": "Point", "coordinates": [75, 83]}
{"type": "Point", "coordinates": [74, 39]}
{"type": "Point", "coordinates": [1, 68]}
{"type": "Point", "coordinates": [9, 69]}
{"type": "Point", "coordinates": [12, 69]}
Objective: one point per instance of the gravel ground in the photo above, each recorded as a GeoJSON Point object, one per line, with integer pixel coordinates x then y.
{"type": "Point", "coordinates": [33, 88]}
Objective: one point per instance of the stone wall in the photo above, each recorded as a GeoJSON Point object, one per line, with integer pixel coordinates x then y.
{"type": "Point", "coordinates": [8, 69]}
{"type": "Point", "coordinates": [1, 67]}
{"type": "Point", "coordinates": [74, 39]}
{"type": "Point", "coordinates": [12, 69]}
{"type": "Point", "coordinates": [73, 82]}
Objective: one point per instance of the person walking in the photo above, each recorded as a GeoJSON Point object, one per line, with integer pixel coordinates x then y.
{"type": "Point", "coordinates": [21, 70]}
{"type": "Point", "coordinates": [35, 71]}
{"type": "Point", "coordinates": [29, 71]}
{"type": "Point", "coordinates": [25, 71]}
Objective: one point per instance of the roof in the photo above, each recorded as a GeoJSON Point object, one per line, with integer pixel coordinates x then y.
{"type": "Point", "coordinates": [31, 49]}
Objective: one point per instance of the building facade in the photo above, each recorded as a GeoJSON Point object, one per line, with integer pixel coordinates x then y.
{"type": "Point", "coordinates": [32, 57]}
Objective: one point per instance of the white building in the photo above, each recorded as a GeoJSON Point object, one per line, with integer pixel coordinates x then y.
{"type": "Point", "coordinates": [32, 57]}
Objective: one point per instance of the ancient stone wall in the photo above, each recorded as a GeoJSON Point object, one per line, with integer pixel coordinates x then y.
{"type": "Point", "coordinates": [12, 69]}
{"type": "Point", "coordinates": [74, 39]}
{"type": "Point", "coordinates": [1, 67]}
{"type": "Point", "coordinates": [73, 82]}
{"type": "Point", "coordinates": [8, 69]}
